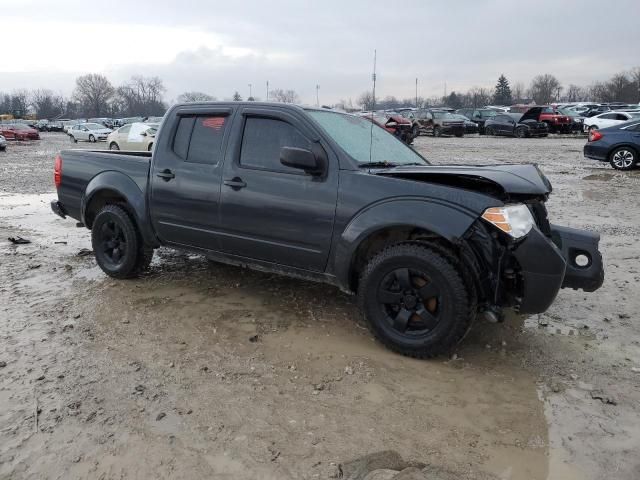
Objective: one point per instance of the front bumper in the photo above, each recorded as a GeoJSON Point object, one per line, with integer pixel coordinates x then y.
{"type": "Point", "coordinates": [453, 129]}
{"type": "Point", "coordinates": [549, 264]}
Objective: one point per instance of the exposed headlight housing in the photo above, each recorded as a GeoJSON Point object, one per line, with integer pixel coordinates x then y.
{"type": "Point", "coordinates": [514, 220]}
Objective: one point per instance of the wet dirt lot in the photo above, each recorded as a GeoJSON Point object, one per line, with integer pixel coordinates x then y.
{"type": "Point", "coordinates": [208, 371]}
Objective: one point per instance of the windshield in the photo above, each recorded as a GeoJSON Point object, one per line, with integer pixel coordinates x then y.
{"type": "Point", "coordinates": [487, 113]}
{"type": "Point", "coordinates": [93, 126]}
{"type": "Point", "coordinates": [363, 143]}
{"type": "Point", "coordinates": [457, 116]}
{"type": "Point", "coordinates": [445, 115]}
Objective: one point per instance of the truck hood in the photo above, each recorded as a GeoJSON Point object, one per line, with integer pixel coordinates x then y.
{"type": "Point", "coordinates": [509, 182]}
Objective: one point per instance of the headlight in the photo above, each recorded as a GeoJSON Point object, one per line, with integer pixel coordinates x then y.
{"type": "Point", "coordinates": [514, 220]}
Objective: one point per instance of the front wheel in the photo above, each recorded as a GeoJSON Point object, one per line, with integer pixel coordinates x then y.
{"type": "Point", "coordinates": [117, 244]}
{"type": "Point", "coordinates": [623, 158]}
{"type": "Point", "coordinates": [489, 131]}
{"type": "Point", "coordinates": [437, 131]}
{"type": "Point", "coordinates": [521, 132]}
{"type": "Point", "coordinates": [415, 301]}
{"type": "Point", "coordinates": [73, 139]}
{"type": "Point", "coordinates": [114, 146]}
{"type": "Point", "coordinates": [92, 139]}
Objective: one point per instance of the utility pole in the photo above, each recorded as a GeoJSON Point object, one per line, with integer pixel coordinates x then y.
{"type": "Point", "coordinates": [317, 96]}
{"type": "Point", "coordinates": [267, 90]}
{"type": "Point", "coordinates": [416, 92]}
{"type": "Point", "coordinates": [250, 96]}
{"type": "Point", "coordinates": [445, 89]}
{"type": "Point", "coordinates": [373, 77]}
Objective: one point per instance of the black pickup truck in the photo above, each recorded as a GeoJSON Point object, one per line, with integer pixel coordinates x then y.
{"type": "Point", "coordinates": [327, 196]}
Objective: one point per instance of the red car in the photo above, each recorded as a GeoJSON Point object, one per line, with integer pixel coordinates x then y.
{"type": "Point", "coordinates": [18, 131]}
{"type": "Point", "coordinates": [545, 113]}
{"type": "Point", "coordinates": [400, 127]}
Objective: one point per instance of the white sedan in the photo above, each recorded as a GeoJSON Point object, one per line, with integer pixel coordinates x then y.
{"type": "Point", "coordinates": [90, 132]}
{"type": "Point", "coordinates": [608, 119]}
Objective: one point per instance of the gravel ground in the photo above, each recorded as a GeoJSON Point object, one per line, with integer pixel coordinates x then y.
{"type": "Point", "coordinates": [196, 370]}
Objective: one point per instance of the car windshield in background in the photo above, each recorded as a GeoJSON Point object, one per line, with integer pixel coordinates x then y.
{"type": "Point", "coordinates": [456, 116]}
{"type": "Point", "coordinates": [445, 115]}
{"type": "Point", "coordinates": [93, 126]}
{"type": "Point", "coordinates": [487, 113]}
{"type": "Point", "coordinates": [364, 141]}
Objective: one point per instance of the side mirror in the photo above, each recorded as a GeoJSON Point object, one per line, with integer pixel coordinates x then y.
{"type": "Point", "coordinates": [301, 159]}
{"type": "Point", "coordinates": [144, 134]}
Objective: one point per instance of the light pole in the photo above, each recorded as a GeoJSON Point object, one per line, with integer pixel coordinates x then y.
{"type": "Point", "coordinates": [267, 90]}
{"type": "Point", "coordinates": [416, 92]}
{"type": "Point", "coordinates": [317, 95]}
{"type": "Point", "coordinates": [250, 96]}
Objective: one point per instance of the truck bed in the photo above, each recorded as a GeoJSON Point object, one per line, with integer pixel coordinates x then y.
{"type": "Point", "coordinates": [79, 167]}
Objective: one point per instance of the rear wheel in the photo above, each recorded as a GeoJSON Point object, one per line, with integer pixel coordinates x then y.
{"type": "Point", "coordinates": [117, 244]}
{"type": "Point", "coordinates": [415, 300]}
{"type": "Point", "coordinates": [521, 132]}
{"type": "Point", "coordinates": [114, 146]}
{"type": "Point", "coordinates": [623, 158]}
{"type": "Point", "coordinates": [437, 131]}
{"type": "Point", "coordinates": [489, 131]}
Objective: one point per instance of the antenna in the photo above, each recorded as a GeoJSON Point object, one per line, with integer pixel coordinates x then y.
{"type": "Point", "coordinates": [373, 107]}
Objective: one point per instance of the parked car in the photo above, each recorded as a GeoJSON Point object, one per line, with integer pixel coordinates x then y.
{"type": "Point", "coordinates": [327, 196]}
{"type": "Point", "coordinates": [89, 132]}
{"type": "Point", "coordinates": [597, 110]}
{"type": "Point", "coordinates": [133, 137]}
{"type": "Point", "coordinates": [20, 131]}
{"type": "Point", "coordinates": [478, 115]}
{"type": "Point", "coordinates": [54, 126]}
{"type": "Point", "coordinates": [608, 119]}
{"type": "Point", "coordinates": [69, 124]}
{"type": "Point", "coordinates": [3, 143]}
{"type": "Point", "coordinates": [515, 125]}
{"type": "Point", "coordinates": [7, 133]}
{"type": "Point", "coordinates": [469, 126]}
{"type": "Point", "coordinates": [394, 123]}
{"type": "Point", "coordinates": [439, 122]}
{"type": "Point", "coordinates": [577, 120]}
{"type": "Point", "coordinates": [545, 113]}
{"type": "Point", "coordinates": [619, 145]}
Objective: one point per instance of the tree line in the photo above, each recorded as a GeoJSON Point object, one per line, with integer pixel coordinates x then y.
{"type": "Point", "coordinates": [543, 89]}
{"type": "Point", "coordinates": [95, 96]}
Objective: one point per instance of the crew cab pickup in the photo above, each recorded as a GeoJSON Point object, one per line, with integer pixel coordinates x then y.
{"type": "Point", "coordinates": [327, 196]}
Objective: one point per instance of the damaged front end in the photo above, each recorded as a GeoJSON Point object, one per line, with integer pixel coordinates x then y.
{"type": "Point", "coordinates": [526, 274]}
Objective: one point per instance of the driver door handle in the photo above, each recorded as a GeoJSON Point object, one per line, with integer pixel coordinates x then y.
{"type": "Point", "coordinates": [236, 183]}
{"type": "Point", "coordinates": [166, 175]}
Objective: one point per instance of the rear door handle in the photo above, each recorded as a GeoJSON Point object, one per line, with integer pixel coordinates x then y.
{"type": "Point", "coordinates": [236, 183]}
{"type": "Point", "coordinates": [166, 175]}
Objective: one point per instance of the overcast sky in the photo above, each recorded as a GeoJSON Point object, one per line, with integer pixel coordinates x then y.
{"type": "Point", "coordinates": [218, 47]}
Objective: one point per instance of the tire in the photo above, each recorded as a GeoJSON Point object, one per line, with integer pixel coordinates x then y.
{"type": "Point", "coordinates": [521, 132]}
{"type": "Point", "coordinates": [437, 131]}
{"type": "Point", "coordinates": [150, 147]}
{"type": "Point", "coordinates": [429, 308]}
{"type": "Point", "coordinates": [415, 131]}
{"type": "Point", "coordinates": [489, 131]}
{"type": "Point", "coordinates": [73, 139]}
{"type": "Point", "coordinates": [623, 158]}
{"type": "Point", "coordinates": [114, 146]}
{"type": "Point", "coordinates": [593, 127]}
{"type": "Point", "coordinates": [117, 244]}
{"type": "Point", "coordinates": [92, 139]}
{"type": "Point", "coordinates": [551, 128]}
{"type": "Point", "coordinates": [459, 135]}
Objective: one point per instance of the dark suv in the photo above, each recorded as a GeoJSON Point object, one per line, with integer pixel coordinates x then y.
{"type": "Point", "coordinates": [439, 122]}
{"type": "Point", "coordinates": [478, 115]}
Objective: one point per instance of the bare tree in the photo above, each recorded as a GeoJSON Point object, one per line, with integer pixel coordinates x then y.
{"type": "Point", "coordinates": [575, 93]}
{"type": "Point", "coordinates": [365, 101]}
{"type": "Point", "coordinates": [20, 101]}
{"type": "Point", "coordinates": [545, 88]}
{"type": "Point", "coordinates": [195, 97]}
{"type": "Point", "coordinates": [93, 93]}
{"type": "Point", "coordinates": [46, 104]}
{"type": "Point", "coordinates": [140, 96]}
{"type": "Point", "coordinates": [518, 92]}
{"type": "Point", "coordinates": [479, 97]}
{"type": "Point", "coordinates": [284, 96]}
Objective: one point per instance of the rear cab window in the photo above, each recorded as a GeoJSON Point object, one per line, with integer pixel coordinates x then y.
{"type": "Point", "coordinates": [199, 138]}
